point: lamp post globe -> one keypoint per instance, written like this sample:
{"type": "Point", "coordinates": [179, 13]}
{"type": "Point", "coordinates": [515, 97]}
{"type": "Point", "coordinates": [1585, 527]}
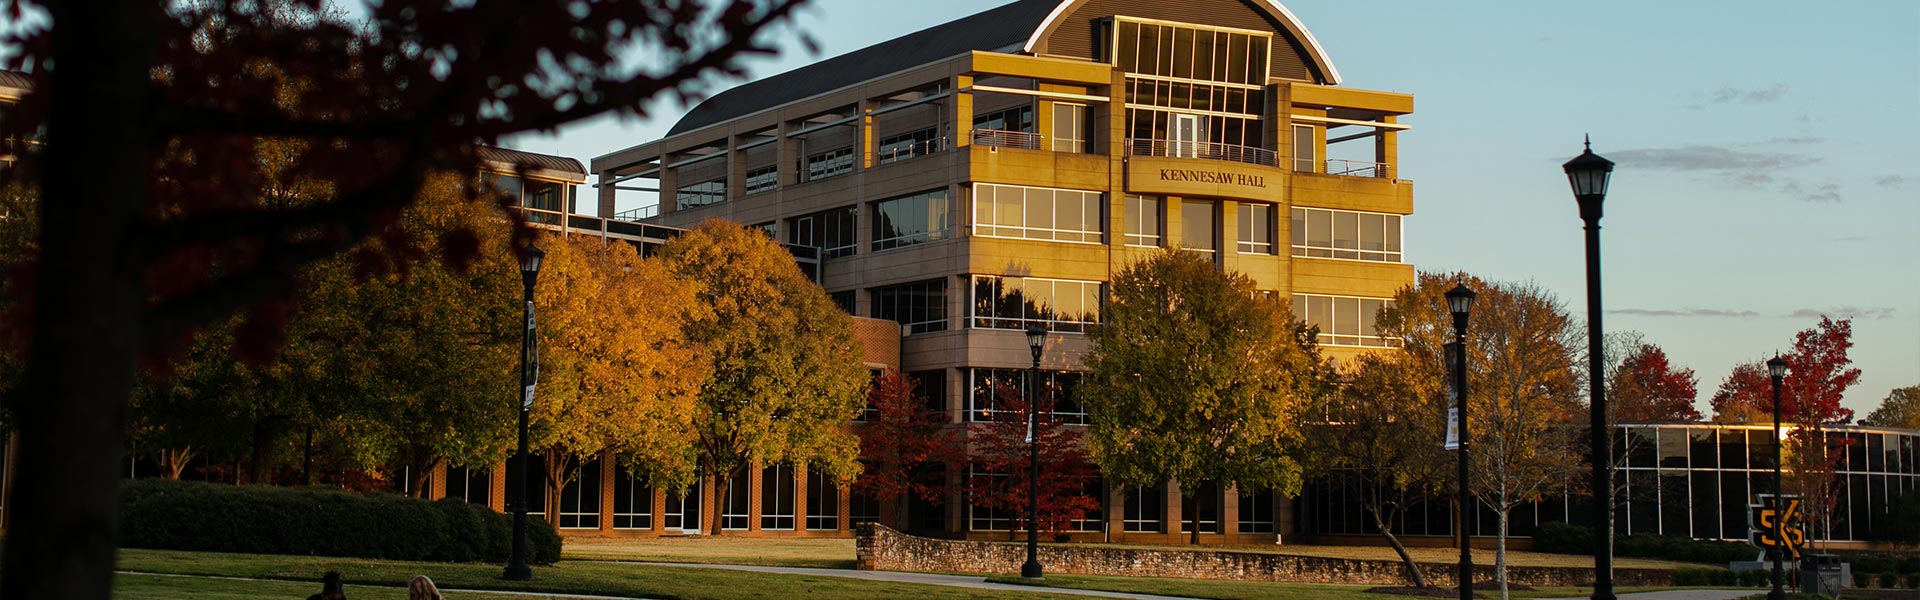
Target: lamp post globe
{"type": "Point", "coordinates": [1036, 341]}
{"type": "Point", "coordinates": [1777, 372]}
{"type": "Point", "coordinates": [517, 569]}
{"type": "Point", "coordinates": [1588, 173]}
{"type": "Point", "coordinates": [1460, 305]}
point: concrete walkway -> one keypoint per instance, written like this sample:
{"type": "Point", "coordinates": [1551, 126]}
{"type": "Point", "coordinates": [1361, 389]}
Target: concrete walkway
{"type": "Point", "coordinates": [961, 581]}
{"type": "Point", "coordinates": [443, 590]}
{"type": "Point", "coordinates": [1686, 595]}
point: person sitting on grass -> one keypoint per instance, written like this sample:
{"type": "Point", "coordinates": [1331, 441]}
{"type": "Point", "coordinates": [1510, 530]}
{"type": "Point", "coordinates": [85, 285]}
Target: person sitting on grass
{"type": "Point", "coordinates": [330, 588]}
{"type": "Point", "coordinates": [421, 588]}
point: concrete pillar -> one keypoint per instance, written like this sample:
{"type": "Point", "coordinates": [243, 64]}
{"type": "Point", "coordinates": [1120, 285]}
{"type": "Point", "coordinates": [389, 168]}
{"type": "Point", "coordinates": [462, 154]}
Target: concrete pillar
{"type": "Point", "coordinates": [1175, 525]}
{"type": "Point", "coordinates": [669, 184]}
{"type": "Point", "coordinates": [606, 193]}
{"type": "Point", "coordinates": [1230, 512]}
{"type": "Point", "coordinates": [736, 170]}
{"type": "Point", "coordinates": [800, 481]}
{"type": "Point", "coordinates": [607, 472]}
{"type": "Point", "coordinates": [960, 110]}
{"type": "Point", "coordinates": [1386, 148]}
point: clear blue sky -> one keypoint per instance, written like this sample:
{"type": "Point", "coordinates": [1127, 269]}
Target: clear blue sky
{"type": "Point", "coordinates": [1768, 169]}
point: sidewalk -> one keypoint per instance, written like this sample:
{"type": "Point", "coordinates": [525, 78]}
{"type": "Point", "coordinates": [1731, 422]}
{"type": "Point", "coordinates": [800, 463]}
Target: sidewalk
{"type": "Point", "coordinates": [1686, 595]}
{"type": "Point", "coordinates": [962, 581]}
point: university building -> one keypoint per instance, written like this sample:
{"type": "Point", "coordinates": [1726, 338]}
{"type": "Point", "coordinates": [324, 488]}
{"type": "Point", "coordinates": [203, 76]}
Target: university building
{"type": "Point", "coordinates": [992, 173]}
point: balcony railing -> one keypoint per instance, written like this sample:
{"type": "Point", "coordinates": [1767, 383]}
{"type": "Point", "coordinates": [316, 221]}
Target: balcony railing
{"type": "Point", "coordinates": [905, 151]}
{"type": "Point", "coordinates": [644, 212]}
{"type": "Point", "coordinates": [1007, 139]}
{"type": "Point", "coordinates": [1356, 168]}
{"type": "Point", "coordinates": [1206, 150]}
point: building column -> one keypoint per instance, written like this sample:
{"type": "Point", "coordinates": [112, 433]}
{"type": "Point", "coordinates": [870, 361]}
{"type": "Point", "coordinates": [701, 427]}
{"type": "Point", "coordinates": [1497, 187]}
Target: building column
{"type": "Point", "coordinates": [844, 518]}
{"type": "Point", "coordinates": [863, 157]}
{"type": "Point", "coordinates": [956, 505]}
{"type": "Point", "coordinates": [607, 470]}
{"type": "Point", "coordinates": [497, 488]}
{"type": "Point", "coordinates": [606, 192]}
{"type": "Point", "coordinates": [657, 515]}
{"type": "Point", "coordinates": [960, 110]}
{"type": "Point", "coordinates": [669, 185]}
{"type": "Point", "coordinates": [736, 172]}
{"type": "Point", "coordinates": [755, 476]}
{"type": "Point", "coordinates": [1116, 511]}
{"type": "Point", "coordinates": [800, 481]}
{"type": "Point", "coordinates": [436, 482]}
{"type": "Point", "coordinates": [1386, 148]}
{"type": "Point", "coordinates": [1176, 526]}
{"type": "Point", "coordinates": [1230, 512]}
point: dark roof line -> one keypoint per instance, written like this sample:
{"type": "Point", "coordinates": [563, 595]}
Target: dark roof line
{"type": "Point", "coordinates": [510, 158]}
{"type": "Point", "coordinates": [1008, 25]}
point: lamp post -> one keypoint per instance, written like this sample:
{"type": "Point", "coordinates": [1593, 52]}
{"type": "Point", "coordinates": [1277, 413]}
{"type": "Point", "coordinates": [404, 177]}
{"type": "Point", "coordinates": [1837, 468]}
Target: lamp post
{"type": "Point", "coordinates": [1588, 173]}
{"type": "Point", "coordinates": [1777, 370]}
{"type": "Point", "coordinates": [1460, 303]}
{"type": "Point", "coordinates": [517, 569]}
{"type": "Point", "coordinates": [1036, 340]}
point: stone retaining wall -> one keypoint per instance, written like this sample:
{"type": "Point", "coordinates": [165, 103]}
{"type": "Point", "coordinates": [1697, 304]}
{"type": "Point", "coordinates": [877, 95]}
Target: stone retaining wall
{"type": "Point", "coordinates": [881, 549]}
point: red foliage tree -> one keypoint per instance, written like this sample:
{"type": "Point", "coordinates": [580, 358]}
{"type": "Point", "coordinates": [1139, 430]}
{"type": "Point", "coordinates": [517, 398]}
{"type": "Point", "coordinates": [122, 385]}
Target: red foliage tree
{"type": "Point", "coordinates": [1647, 388]}
{"type": "Point", "coordinates": [156, 217]}
{"type": "Point", "coordinates": [905, 444]}
{"type": "Point", "coordinates": [1003, 481]}
{"type": "Point", "coordinates": [1818, 376]}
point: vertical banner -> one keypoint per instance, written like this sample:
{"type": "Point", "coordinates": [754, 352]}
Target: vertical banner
{"type": "Point", "coordinates": [531, 377]}
{"type": "Point", "coordinates": [1453, 397]}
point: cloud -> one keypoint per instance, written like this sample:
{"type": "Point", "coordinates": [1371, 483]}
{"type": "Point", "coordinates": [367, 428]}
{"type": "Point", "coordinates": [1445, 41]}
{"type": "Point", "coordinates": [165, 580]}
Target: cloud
{"type": "Point", "coordinates": [1851, 238]}
{"type": "Point", "coordinates": [1796, 141]}
{"type": "Point", "coordinates": [1847, 312]}
{"type": "Point", "coordinates": [1708, 158]}
{"type": "Point", "coordinates": [1733, 95]}
{"type": "Point", "coordinates": [1891, 181]}
{"type": "Point", "coordinates": [1823, 194]}
{"type": "Point", "coordinates": [1685, 312]}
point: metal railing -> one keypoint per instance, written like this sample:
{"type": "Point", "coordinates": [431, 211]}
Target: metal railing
{"type": "Point", "coordinates": [644, 212]}
{"type": "Point", "coordinates": [1356, 168]}
{"type": "Point", "coordinates": [906, 151]}
{"type": "Point", "coordinates": [1206, 150]}
{"type": "Point", "coordinates": [1007, 139]}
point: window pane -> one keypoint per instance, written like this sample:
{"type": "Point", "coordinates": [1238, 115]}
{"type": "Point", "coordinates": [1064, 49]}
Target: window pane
{"type": "Point", "coordinates": [1196, 227]}
{"type": "Point", "coordinates": [1068, 211]}
{"type": "Point", "coordinates": [1346, 227]}
{"type": "Point", "coordinates": [1298, 228]}
{"type": "Point", "coordinates": [1393, 233]}
{"type": "Point", "coordinates": [1371, 228]}
{"type": "Point", "coordinates": [1320, 229]}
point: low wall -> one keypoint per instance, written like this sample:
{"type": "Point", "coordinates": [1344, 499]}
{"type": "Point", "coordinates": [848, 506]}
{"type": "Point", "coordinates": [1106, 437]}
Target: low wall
{"type": "Point", "coordinates": [881, 549]}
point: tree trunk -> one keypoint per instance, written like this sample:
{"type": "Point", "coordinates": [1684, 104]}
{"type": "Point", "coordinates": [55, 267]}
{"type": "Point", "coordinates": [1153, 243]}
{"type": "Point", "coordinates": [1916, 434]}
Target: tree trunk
{"type": "Point", "coordinates": [419, 470]}
{"type": "Point", "coordinates": [721, 482]}
{"type": "Point", "coordinates": [1500, 549]}
{"type": "Point", "coordinates": [1193, 527]}
{"type": "Point", "coordinates": [175, 460]}
{"type": "Point", "coordinates": [87, 300]}
{"type": "Point", "coordinates": [1413, 569]}
{"type": "Point", "coordinates": [260, 462]}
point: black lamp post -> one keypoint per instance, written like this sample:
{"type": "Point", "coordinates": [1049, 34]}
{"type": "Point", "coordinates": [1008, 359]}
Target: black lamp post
{"type": "Point", "coordinates": [1460, 303]}
{"type": "Point", "coordinates": [1588, 173]}
{"type": "Point", "coordinates": [517, 569]}
{"type": "Point", "coordinates": [1777, 370]}
{"type": "Point", "coordinates": [1036, 340]}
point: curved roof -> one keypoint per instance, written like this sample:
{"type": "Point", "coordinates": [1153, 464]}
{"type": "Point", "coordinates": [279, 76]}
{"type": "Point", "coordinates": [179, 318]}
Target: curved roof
{"type": "Point", "coordinates": [1017, 27]}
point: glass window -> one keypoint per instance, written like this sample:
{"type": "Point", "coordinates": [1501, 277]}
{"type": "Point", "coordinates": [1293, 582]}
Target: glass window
{"type": "Point", "coordinates": [823, 501]}
{"type": "Point", "coordinates": [701, 194]}
{"type": "Point", "coordinates": [1020, 302]}
{"type": "Point", "coordinates": [1037, 213]}
{"type": "Point", "coordinates": [1058, 387]}
{"type": "Point", "coordinates": [1145, 510]}
{"type": "Point", "coordinates": [1196, 225]}
{"type": "Point", "coordinates": [1256, 228]}
{"type": "Point", "coordinates": [1344, 320]}
{"type": "Point", "coordinates": [733, 513]}
{"type": "Point", "coordinates": [985, 518]}
{"type": "Point", "coordinates": [763, 179]}
{"type": "Point", "coordinates": [832, 231]}
{"type": "Point", "coordinates": [1346, 234]}
{"type": "Point", "coordinates": [915, 219]}
{"type": "Point", "coordinates": [776, 497]}
{"type": "Point", "coordinates": [1305, 153]}
{"type": "Point", "coordinates": [1143, 220]}
{"type": "Point", "coordinates": [1069, 127]}
{"type": "Point", "coordinates": [580, 498]}
{"type": "Point", "coordinates": [632, 501]}
{"type": "Point", "coordinates": [829, 164]}
{"type": "Point", "coordinates": [1256, 512]}
{"type": "Point", "coordinates": [1013, 119]}
{"type": "Point", "coordinates": [909, 145]}
{"type": "Point", "coordinates": [922, 307]}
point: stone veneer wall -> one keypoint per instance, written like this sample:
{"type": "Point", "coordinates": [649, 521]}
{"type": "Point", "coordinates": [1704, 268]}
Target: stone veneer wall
{"type": "Point", "coordinates": [881, 549]}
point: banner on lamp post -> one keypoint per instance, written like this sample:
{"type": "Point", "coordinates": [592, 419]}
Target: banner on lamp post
{"type": "Point", "coordinates": [1453, 400]}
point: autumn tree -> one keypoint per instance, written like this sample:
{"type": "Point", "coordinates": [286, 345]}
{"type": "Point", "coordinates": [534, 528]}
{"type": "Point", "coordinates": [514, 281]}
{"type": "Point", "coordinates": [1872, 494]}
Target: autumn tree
{"type": "Point", "coordinates": [1818, 375]}
{"type": "Point", "coordinates": [905, 445]}
{"type": "Point", "coordinates": [150, 222]}
{"type": "Point", "coordinates": [784, 375]}
{"type": "Point", "coordinates": [1648, 389]}
{"type": "Point", "coordinates": [1382, 432]}
{"type": "Point", "coordinates": [1002, 445]}
{"type": "Point", "coordinates": [1901, 408]}
{"type": "Point", "coordinates": [615, 370]}
{"type": "Point", "coordinates": [1192, 378]}
{"type": "Point", "coordinates": [1522, 385]}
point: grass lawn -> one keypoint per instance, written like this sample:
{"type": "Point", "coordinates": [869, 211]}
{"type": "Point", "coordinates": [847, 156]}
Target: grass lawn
{"type": "Point", "coordinates": [1445, 556]}
{"type": "Point", "coordinates": [1259, 590]}
{"type": "Point", "coordinates": [168, 587]}
{"type": "Point", "coordinates": [774, 552]}
{"type": "Point", "coordinates": [689, 583]}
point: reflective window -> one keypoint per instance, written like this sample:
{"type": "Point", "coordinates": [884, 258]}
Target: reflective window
{"type": "Point", "coordinates": [986, 385]}
{"type": "Point", "coordinates": [1191, 52]}
{"type": "Point", "coordinates": [1146, 507]}
{"type": "Point", "coordinates": [763, 179]}
{"type": "Point", "coordinates": [1345, 320]}
{"type": "Point", "coordinates": [823, 501]}
{"type": "Point", "coordinates": [979, 516]}
{"type": "Point", "coordinates": [915, 219]}
{"type": "Point", "coordinates": [580, 498]}
{"type": "Point", "coordinates": [1305, 149]}
{"type": "Point", "coordinates": [1322, 233]}
{"type": "Point", "coordinates": [922, 307]}
{"type": "Point", "coordinates": [1143, 220]}
{"type": "Point", "coordinates": [733, 513]}
{"type": "Point", "coordinates": [832, 231]}
{"type": "Point", "coordinates": [830, 163]}
{"type": "Point", "coordinates": [1256, 228]}
{"type": "Point", "coordinates": [1036, 213]}
{"type": "Point", "coordinates": [776, 497]}
{"type": "Point", "coordinates": [1020, 302]}
{"type": "Point", "coordinates": [1012, 119]}
{"type": "Point", "coordinates": [1197, 225]}
{"type": "Point", "coordinates": [1069, 127]}
{"type": "Point", "coordinates": [908, 145]}
{"type": "Point", "coordinates": [632, 501]}
{"type": "Point", "coordinates": [701, 194]}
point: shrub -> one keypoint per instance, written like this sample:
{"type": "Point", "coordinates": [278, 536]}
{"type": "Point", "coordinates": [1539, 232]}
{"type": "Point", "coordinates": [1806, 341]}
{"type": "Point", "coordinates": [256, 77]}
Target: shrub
{"type": "Point", "coordinates": [186, 515]}
{"type": "Point", "coordinates": [1913, 582]}
{"type": "Point", "coordinates": [1890, 580]}
{"type": "Point", "coordinates": [1701, 576]}
{"type": "Point", "coordinates": [1554, 536]}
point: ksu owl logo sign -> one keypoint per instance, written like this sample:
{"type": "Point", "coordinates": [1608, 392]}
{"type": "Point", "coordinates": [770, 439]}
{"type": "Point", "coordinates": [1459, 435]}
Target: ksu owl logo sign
{"type": "Point", "coordinates": [1763, 517]}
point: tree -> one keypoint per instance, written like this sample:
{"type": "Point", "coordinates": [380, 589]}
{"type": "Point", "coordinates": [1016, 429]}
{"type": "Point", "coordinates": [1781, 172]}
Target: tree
{"type": "Point", "coordinates": [1194, 379]}
{"type": "Point", "coordinates": [1522, 386]}
{"type": "Point", "coordinates": [906, 446]}
{"type": "Point", "coordinates": [1003, 482]}
{"type": "Point", "coordinates": [1818, 376]}
{"type": "Point", "coordinates": [615, 370]}
{"type": "Point", "coordinates": [1648, 389]}
{"type": "Point", "coordinates": [1901, 408]}
{"type": "Point", "coordinates": [138, 205]}
{"type": "Point", "coordinates": [784, 375]}
{"type": "Point", "coordinates": [1381, 433]}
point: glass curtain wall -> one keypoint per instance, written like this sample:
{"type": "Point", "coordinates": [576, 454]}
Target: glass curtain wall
{"type": "Point", "coordinates": [1192, 90]}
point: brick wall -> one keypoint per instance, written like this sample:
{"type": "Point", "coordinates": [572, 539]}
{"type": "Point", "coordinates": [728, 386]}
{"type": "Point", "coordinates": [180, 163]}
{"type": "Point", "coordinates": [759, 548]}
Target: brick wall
{"type": "Point", "coordinates": [882, 549]}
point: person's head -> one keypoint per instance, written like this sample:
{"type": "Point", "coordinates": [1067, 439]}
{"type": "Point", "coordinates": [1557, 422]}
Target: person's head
{"type": "Point", "coordinates": [330, 586]}
{"type": "Point", "coordinates": [421, 588]}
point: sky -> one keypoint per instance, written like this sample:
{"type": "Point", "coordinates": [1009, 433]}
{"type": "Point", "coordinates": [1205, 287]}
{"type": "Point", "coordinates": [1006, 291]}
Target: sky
{"type": "Point", "coordinates": [1767, 165]}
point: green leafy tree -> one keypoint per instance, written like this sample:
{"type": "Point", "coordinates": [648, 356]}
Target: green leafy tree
{"type": "Point", "coordinates": [784, 375]}
{"type": "Point", "coordinates": [615, 371]}
{"type": "Point", "coordinates": [1522, 386]}
{"type": "Point", "coordinates": [1901, 408]}
{"type": "Point", "coordinates": [1193, 378]}
{"type": "Point", "coordinates": [1380, 431]}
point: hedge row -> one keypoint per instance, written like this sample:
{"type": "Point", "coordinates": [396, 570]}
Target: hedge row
{"type": "Point", "coordinates": [188, 515]}
{"type": "Point", "coordinates": [1574, 539]}
{"type": "Point", "coordinates": [1882, 563]}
